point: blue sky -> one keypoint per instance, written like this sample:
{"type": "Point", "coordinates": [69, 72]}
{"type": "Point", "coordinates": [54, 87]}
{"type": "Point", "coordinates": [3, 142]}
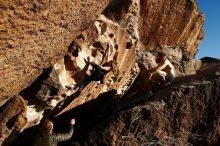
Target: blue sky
{"type": "Point", "coordinates": [210, 45]}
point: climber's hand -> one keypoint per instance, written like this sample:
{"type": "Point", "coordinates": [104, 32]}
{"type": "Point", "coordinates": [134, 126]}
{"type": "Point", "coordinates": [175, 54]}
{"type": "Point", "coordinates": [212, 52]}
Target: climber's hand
{"type": "Point", "coordinates": [72, 121]}
{"type": "Point", "coordinates": [86, 61]}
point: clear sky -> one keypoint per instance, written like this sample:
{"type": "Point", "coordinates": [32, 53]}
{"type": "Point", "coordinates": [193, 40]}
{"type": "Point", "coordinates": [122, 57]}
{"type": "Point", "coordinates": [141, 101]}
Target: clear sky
{"type": "Point", "coordinates": [210, 45]}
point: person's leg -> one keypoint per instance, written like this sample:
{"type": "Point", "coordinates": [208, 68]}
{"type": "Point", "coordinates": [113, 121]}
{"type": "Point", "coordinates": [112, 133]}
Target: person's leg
{"type": "Point", "coordinates": [100, 77]}
{"type": "Point", "coordinates": [96, 73]}
{"type": "Point", "coordinates": [83, 84]}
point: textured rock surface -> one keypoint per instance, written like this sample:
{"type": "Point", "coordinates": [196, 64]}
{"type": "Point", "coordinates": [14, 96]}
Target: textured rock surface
{"type": "Point", "coordinates": [172, 22]}
{"type": "Point", "coordinates": [35, 34]}
{"type": "Point", "coordinates": [115, 44]}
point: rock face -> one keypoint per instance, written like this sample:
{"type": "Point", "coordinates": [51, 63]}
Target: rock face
{"type": "Point", "coordinates": [129, 33]}
{"type": "Point", "coordinates": [177, 22]}
{"type": "Point", "coordinates": [111, 44]}
{"type": "Point", "coordinates": [35, 35]}
{"type": "Point", "coordinates": [167, 23]}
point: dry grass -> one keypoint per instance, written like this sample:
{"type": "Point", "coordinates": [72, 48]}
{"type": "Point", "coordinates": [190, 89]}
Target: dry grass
{"type": "Point", "coordinates": [143, 137]}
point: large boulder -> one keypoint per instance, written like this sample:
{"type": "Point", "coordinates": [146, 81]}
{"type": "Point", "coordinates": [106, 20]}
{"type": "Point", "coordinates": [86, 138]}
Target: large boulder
{"type": "Point", "coordinates": [35, 34]}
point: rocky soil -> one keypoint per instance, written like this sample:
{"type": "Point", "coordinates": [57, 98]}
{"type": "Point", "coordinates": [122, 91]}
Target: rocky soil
{"type": "Point", "coordinates": [46, 46]}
